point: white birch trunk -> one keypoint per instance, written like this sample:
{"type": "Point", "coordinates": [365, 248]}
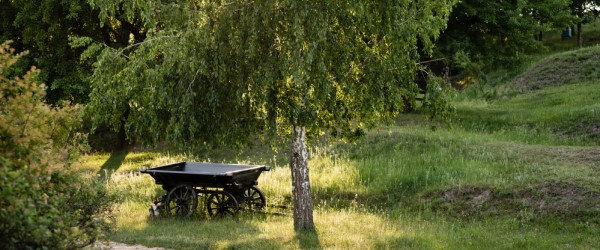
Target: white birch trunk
{"type": "Point", "coordinates": [303, 213]}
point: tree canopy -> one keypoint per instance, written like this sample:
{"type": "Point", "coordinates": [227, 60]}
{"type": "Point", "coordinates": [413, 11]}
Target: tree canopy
{"type": "Point", "coordinates": [222, 73]}
{"type": "Point", "coordinates": [497, 31]}
{"type": "Point", "coordinates": [48, 29]}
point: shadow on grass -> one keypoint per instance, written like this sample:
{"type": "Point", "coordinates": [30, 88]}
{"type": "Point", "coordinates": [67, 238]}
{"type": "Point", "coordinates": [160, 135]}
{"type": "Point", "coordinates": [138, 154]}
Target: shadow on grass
{"type": "Point", "coordinates": [308, 239]}
{"type": "Point", "coordinates": [113, 162]}
{"type": "Point", "coordinates": [406, 242]}
{"type": "Point", "coordinates": [197, 233]}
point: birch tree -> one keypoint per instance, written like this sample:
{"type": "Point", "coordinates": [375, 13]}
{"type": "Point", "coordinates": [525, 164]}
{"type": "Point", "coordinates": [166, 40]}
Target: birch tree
{"type": "Point", "coordinates": [228, 72]}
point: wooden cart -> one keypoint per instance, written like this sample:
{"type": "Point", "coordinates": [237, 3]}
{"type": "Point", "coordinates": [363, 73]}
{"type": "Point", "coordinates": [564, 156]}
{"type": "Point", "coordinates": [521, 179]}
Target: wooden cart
{"type": "Point", "coordinates": [228, 187]}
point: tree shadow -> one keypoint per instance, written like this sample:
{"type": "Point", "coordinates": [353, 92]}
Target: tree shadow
{"type": "Point", "coordinates": [113, 162]}
{"type": "Point", "coordinates": [405, 242]}
{"type": "Point", "coordinates": [308, 239]}
{"type": "Point", "coordinates": [185, 232]}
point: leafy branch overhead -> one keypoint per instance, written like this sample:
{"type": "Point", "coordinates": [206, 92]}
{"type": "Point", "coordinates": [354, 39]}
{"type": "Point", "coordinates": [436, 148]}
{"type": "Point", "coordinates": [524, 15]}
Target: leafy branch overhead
{"type": "Point", "coordinates": [222, 72]}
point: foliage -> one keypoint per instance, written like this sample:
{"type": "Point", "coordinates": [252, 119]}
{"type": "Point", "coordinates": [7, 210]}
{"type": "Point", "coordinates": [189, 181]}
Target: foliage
{"type": "Point", "coordinates": [42, 203]}
{"type": "Point", "coordinates": [52, 30]}
{"type": "Point", "coordinates": [438, 100]}
{"type": "Point", "coordinates": [470, 69]}
{"type": "Point", "coordinates": [499, 31]}
{"type": "Point", "coordinates": [556, 43]}
{"type": "Point", "coordinates": [222, 73]}
{"type": "Point", "coordinates": [585, 11]}
{"type": "Point", "coordinates": [43, 28]}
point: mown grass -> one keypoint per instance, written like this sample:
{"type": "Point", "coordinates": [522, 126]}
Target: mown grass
{"type": "Point", "coordinates": [376, 193]}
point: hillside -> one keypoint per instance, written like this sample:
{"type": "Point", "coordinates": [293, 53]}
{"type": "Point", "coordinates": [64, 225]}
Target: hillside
{"type": "Point", "coordinates": [550, 114]}
{"type": "Point", "coordinates": [563, 68]}
{"type": "Point", "coordinates": [555, 100]}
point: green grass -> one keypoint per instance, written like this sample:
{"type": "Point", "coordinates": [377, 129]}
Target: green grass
{"type": "Point", "coordinates": [553, 116]}
{"type": "Point", "coordinates": [396, 188]}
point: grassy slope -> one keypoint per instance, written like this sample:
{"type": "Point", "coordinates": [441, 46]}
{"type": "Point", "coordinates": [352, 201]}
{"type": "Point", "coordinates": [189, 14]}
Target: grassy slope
{"type": "Point", "coordinates": [481, 184]}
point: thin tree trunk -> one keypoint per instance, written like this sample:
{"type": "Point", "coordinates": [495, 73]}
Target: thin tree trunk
{"type": "Point", "coordinates": [579, 36]}
{"type": "Point", "coordinates": [303, 213]}
{"type": "Point", "coordinates": [122, 141]}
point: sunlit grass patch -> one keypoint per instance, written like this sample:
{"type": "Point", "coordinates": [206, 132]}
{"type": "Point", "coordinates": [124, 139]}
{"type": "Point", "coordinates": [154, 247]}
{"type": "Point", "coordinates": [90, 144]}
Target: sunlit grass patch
{"type": "Point", "coordinates": [336, 229]}
{"type": "Point", "coordinates": [91, 162]}
{"type": "Point", "coordinates": [351, 228]}
{"type": "Point", "coordinates": [347, 229]}
{"type": "Point", "coordinates": [134, 187]}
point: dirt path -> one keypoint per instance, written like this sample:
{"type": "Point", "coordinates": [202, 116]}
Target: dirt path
{"type": "Point", "coordinates": [120, 246]}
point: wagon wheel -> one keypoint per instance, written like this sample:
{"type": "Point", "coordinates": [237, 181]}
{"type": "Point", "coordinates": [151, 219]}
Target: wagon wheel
{"type": "Point", "coordinates": [253, 199]}
{"type": "Point", "coordinates": [181, 201]}
{"type": "Point", "coordinates": [221, 203]}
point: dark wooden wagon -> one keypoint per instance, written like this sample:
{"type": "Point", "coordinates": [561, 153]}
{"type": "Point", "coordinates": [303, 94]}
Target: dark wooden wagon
{"type": "Point", "coordinates": [228, 187]}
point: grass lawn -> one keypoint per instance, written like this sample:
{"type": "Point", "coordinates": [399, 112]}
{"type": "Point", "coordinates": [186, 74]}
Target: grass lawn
{"type": "Point", "coordinates": [516, 171]}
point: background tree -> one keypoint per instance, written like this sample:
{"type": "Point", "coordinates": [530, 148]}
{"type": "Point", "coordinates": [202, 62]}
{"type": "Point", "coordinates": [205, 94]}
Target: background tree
{"type": "Point", "coordinates": [43, 28]}
{"type": "Point", "coordinates": [46, 29]}
{"type": "Point", "coordinates": [498, 31]}
{"type": "Point", "coordinates": [55, 33]}
{"type": "Point", "coordinates": [548, 15]}
{"type": "Point", "coordinates": [121, 26]}
{"type": "Point", "coordinates": [584, 11]}
{"type": "Point", "coordinates": [222, 73]}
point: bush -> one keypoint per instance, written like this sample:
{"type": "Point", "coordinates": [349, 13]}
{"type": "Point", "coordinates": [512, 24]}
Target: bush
{"type": "Point", "coordinates": [43, 204]}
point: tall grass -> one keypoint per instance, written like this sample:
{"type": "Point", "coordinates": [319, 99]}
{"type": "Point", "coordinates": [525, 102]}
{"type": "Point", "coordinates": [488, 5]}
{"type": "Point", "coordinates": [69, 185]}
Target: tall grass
{"type": "Point", "coordinates": [369, 193]}
{"type": "Point", "coordinates": [366, 197]}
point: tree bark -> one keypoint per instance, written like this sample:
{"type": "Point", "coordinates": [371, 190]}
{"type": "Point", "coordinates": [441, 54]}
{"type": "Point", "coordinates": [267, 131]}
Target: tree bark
{"type": "Point", "coordinates": [303, 213]}
{"type": "Point", "coordinates": [579, 36]}
{"type": "Point", "coordinates": [122, 141]}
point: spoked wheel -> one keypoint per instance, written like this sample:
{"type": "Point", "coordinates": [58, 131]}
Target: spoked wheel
{"type": "Point", "coordinates": [221, 204]}
{"type": "Point", "coordinates": [181, 201]}
{"type": "Point", "coordinates": [253, 199]}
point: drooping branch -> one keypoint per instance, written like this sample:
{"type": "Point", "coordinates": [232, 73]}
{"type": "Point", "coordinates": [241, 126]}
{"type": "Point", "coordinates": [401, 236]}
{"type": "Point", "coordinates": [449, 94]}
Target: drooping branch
{"type": "Point", "coordinates": [121, 51]}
